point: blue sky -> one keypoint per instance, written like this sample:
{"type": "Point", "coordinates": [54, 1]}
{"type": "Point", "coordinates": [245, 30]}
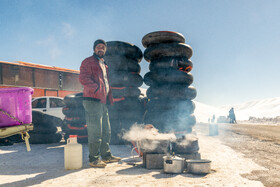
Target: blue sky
{"type": "Point", "coordinates": [235, 43]}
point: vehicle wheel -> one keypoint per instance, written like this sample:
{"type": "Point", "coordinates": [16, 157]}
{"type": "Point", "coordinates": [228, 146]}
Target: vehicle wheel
{"type": "Point", "coordinates": [124, 79]}
{"type": "Point", "coordinates": [119, 92]}
{"type": "Point", "coordinates": [74, 100]}
{"type": "Point", "coordinates": [162, 37]}
{"type": "Point", "coordinates": [172, 91]}
{"type": "Point", "coordinates": [168, 76]}
{"type": "Point", "coordinates": [74, 112]}
{"type": "Point", "coordinates": [124, 49]}
{"type": "Point", "coordinates": [182, 64]}
{"type": "Point", "coordinates": [44, 138]}
{"type": "Point", "coordinates": [167, 50]}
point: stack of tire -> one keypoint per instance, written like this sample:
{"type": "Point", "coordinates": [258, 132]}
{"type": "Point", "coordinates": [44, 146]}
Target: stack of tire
{"type": "Point", "coordinates": [170, 105]}
{"type": "Point", "coordinates": [124, 75]}
{"type": "Point", "coordinates": [74, 122]}
{"type": "Point", "coordinates": [45, 128]}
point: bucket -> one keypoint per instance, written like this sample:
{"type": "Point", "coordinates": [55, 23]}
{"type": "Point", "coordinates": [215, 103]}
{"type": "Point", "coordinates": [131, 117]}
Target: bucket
{"type": "Point", "coordinates": [73, 154]}
{"type": "Point", "coordinates": [17, 102]}
{"type": "Point", "coordinates": [213, 130]}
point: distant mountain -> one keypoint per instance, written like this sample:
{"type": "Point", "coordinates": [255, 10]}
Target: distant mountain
{"type": "Point", "coordinates": [269, 108]}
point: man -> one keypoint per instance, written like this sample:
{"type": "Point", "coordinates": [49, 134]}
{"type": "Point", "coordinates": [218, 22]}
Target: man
{"type": "Point", "coordinates": [232, 116]}
{"type": "Point", "coordinates": [97, 93]}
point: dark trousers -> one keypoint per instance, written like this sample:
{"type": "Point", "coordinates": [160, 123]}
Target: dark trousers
{"type": "Point", "coordinates": [99, 130]}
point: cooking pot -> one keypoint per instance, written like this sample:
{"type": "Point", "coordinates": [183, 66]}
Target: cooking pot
{"type": "Point", "coordinates": [173, 164]}
{"type": "Point", "coordinates": [202, 166]}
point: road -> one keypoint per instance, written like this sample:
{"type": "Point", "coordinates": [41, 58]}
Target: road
{"type": "Point", "coordinates": [261, 143]}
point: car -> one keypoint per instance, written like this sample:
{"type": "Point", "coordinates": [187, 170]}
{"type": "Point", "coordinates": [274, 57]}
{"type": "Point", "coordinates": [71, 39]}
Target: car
{"type": "Point", "coordinates": [49, 105]}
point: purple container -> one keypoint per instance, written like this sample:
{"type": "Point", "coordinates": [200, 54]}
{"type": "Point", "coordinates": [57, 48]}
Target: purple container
{"type": "Point", "coordinates": [17, 102]}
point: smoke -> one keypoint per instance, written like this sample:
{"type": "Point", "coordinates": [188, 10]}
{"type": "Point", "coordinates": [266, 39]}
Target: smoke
{"type": "Point", "coordinates": [138, 133]}
{"type": "Point", "coordinates": [149, 139]}
{"type": "Point", "coordinates": [187, 140]}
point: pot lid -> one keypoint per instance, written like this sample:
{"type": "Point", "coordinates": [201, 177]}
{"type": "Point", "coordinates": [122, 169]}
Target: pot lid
{"type": "Point", "coordinates": [173, 158]}
{"type": "Point", "coordinates": [198, 161]}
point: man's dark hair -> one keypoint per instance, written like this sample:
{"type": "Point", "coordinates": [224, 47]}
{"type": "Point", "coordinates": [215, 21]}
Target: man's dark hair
{"type": "Point", "coordinates": [99, 41]}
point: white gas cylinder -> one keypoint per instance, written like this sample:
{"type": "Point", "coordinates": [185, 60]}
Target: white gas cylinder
{"type": "Point", "coordinates": [73, 154]}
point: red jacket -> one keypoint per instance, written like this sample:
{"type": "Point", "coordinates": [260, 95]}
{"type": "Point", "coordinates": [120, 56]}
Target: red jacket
{"type": "Point", "coordinates": [91, 77]}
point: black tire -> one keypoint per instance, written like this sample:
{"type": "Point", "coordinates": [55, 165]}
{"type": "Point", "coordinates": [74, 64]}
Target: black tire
{"type": "Point", "coordinates": [172, 91]}
{"type": "Point", "coordinates": [74, 112]}
{"type": "Point", "coordinates": [187, 106]}
{"type": "Point", "coordinates": [72, 130]}
{"type": "Point", "coordinates": [74, 100]}
{"type": "Point", "coordinates": [39, 129]}
{"type": "Point", "coordinates": [75, 120]}
{"type": "Point", "coordinates": [182, 64]}
{"type": "Point", "coordinates": [170, 121]}
{"type": "Point", "coordinates": [167, 50]}
{"type": "Point", "coordinates": [37, 117]}
{"type": "Point", "coordinates": [45, 120]}
{"type": "Point", "coordinates": [124, 49]}
{"type": "Point", "coordinates": [136, 115]}
{"type": "Point", "coordinates": [168, 76]}
{"type": "Point", "coordinates": [16, 138]}
{"type": "Point", "coordinates": [49, 120]}
{"type": "Point", "coordinates": [124, 79]}
{"type": "Point", "coordinates": [162, 37]}
{"type": "Point", "coordinates": [127, 104]}
{"type": "Point", "coordinates": [119, 92]}
{"type": "Point", "coordinates": [117, 131]}
{"type": "Point", "coordinates": [121, 63]}
{"type": "Point", "coordinates": [44, 138]}
{"type": "Point", "coordinates": [73, 124]}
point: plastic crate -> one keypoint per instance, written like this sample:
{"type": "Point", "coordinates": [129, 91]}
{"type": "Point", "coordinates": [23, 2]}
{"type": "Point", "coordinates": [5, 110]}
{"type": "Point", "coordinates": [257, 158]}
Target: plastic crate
{"type": "Point", "coordinates": [17, 102]}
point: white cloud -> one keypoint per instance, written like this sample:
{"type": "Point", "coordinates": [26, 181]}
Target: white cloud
{"type": "Point", "coordinates": [52, 47]}
{"type": "Point", "coordinates": [67, 30]}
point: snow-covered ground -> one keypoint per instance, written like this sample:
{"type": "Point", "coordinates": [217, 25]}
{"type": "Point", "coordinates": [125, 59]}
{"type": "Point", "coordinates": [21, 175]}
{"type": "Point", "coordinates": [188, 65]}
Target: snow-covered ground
{"type": "Point", "coordinates": [44, 166]}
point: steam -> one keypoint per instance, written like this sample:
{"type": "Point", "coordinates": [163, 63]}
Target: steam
{"type": "Point", "coordinates": [148, 138]}
{"type": "Point", "coordinates": [138, 133]}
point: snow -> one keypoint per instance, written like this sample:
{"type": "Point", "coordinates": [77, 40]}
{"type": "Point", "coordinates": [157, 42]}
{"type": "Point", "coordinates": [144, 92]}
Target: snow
{"type": "Point", "coordinates": [44, 166]}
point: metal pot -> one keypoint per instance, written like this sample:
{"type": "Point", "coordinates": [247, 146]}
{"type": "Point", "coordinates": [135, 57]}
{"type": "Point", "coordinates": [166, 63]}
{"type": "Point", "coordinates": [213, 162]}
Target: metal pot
{"type": "Point", "coordinates": [202, 166]}
{"type": "Point", "coordinates": [173, 164]}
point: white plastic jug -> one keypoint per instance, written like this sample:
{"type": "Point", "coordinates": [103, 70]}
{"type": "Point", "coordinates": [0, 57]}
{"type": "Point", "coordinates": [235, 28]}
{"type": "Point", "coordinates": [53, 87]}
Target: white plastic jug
{"type": "Point", "coordinates": [73, 154]}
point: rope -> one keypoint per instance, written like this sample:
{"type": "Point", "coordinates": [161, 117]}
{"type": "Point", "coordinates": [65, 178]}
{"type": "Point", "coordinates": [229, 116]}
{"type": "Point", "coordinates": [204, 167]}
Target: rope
{"type": "Point", "coordinates": [11, 116]}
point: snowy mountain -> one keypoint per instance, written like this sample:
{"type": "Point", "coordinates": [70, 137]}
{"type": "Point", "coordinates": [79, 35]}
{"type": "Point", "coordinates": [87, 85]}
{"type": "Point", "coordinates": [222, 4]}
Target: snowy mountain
{"type": "Point", "coordinates": [268, 108]}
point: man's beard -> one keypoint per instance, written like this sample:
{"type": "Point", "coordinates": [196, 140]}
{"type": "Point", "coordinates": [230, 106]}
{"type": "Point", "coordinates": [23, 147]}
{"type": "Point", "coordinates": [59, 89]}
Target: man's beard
{"type": "Point", "coordinates": [100, 54]}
